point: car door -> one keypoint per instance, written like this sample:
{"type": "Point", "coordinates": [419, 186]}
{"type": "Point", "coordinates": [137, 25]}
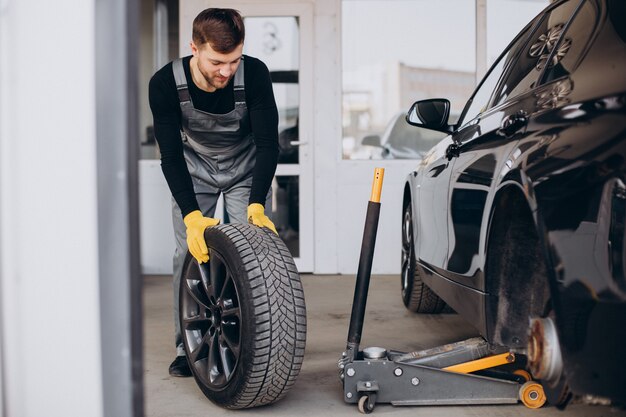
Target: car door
{"type": "Point", "coordinates": [488, 144]}
{"type": "Point", "coordinates": [431, 200]}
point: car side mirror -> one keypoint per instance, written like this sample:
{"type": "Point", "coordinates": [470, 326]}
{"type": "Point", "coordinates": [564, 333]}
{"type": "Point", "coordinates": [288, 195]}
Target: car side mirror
{"type": "Point", "coordinates": [371, 140]}
{"type": "Point", "coordinates": [431, 114]}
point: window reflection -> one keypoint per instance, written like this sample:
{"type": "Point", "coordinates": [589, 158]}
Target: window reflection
{"type": "Point", "coordinates": [414, 54]}
{"type": "Point", "coordinates": [395, 52]}
{"type": "Point", "coordinates": [275, 40]}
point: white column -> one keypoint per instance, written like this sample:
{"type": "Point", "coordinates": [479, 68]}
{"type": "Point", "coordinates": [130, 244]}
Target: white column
{"type": "Point", "coordinates": [327, 127]}
{"type": "Point", "coordinates": [481, 39]}
{"type": "Point", "coordinates": [49, 307]}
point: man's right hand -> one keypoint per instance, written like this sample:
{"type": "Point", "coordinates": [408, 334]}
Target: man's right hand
{"type": "Point", "coordinates": [196, 225]}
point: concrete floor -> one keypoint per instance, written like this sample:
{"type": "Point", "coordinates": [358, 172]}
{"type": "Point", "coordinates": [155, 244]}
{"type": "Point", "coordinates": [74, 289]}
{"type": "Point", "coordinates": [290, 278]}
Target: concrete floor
{"type": "Point", "coordinates": [318, 390]}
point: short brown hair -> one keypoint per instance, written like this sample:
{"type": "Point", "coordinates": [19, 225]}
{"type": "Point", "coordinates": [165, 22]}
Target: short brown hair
{"type": "Point", "coordinates": [223, 29]}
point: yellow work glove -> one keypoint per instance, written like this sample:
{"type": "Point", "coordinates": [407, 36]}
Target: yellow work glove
{"type": "Point", "coordinates": [196, 225]}
{"type": "Point", "coordinates": [257, 217]}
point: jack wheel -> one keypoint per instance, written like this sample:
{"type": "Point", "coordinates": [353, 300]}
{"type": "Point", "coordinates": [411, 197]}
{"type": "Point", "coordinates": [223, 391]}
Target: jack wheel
{"type": "Point", "coordinates": [365, 405]}
{"type": "Point", "coordinates": [532, 395]}
{"type": "Point", "coordinates": [523, 373]}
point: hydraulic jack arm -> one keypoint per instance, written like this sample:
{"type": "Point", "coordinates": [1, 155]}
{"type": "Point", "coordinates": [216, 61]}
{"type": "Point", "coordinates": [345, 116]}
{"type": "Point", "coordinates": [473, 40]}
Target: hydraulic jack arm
{"type": "Point", "coordinates": [365, 267]}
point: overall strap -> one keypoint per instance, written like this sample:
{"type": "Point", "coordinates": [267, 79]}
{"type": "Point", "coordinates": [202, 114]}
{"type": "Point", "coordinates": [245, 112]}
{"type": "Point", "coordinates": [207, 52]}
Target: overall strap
{"type": "Point", "coordinates": [181, 80]}
{"type": "Point", "coordinates": [239, 85]}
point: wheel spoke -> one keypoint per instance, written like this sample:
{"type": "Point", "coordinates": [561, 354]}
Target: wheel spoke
{"type": "Point", "coordinates": [200, 351]}
{"type": "Point", "coordinates": [205, 274]}
{"type": "Point", "coordinates": [217, 274]}
{"type": "Point", "coordinates": [214, 360]}
{"type": "Point", "coordinates": [227, 361]}
{"type": "Point", "coordinates": [232, 345]}
{"type": "Point", "coordinates": [193, 279]}
{"type": "Point", "coordinates": [226, 283]}
{"type": "Point", "coordinates": [404, 259]}
{"type": "Point", "coordinates": [407, 232]}
{"type": "Point", "coordinates": [201, 321]}
{"type": "Point", "coordinates": [228, 289]}
{"type": "Point", "coordinates": [229, 313]}
{"type": "Point", "coordinates": [194, 290]}
{"type": "Point", "coordinates": [405, 281]}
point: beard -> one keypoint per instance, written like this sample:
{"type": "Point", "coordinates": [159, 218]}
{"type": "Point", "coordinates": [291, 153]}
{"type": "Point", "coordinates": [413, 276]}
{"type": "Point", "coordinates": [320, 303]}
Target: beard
{"type": "Point", "coordinates": [215, 80]}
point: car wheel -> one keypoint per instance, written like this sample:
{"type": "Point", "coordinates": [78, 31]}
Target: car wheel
{"type": "Point", "coordinates": [416, 295]}
{"type": "Point", "coordinates": [243, 317]}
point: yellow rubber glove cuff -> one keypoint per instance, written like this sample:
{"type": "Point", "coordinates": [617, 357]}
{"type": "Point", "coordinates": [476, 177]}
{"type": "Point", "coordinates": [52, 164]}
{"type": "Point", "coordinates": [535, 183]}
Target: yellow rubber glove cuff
{"type": "Point", "coordinates": [196, 225]}
{"type": "Point", "coordinates": [257, 217]}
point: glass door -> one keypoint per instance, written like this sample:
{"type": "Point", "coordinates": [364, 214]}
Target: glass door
{"type": "Point", "coordinates": [280, 35]}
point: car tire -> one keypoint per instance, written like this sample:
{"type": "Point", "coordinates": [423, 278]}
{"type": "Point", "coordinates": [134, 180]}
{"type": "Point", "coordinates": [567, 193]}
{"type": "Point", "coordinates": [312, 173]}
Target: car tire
{"type": "Point", "coordinates": [416, 295]}
{"type": "Point", "coordinates": [243, 317]}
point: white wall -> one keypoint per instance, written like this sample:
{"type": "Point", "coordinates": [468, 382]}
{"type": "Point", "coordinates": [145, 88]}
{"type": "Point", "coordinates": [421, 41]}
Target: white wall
{"type": "Point", "coordinates": [157, 231]}
{"type": "Point", "coordinates": [49, 309]}
{"type": "Point", "coordinates": [355, 187]}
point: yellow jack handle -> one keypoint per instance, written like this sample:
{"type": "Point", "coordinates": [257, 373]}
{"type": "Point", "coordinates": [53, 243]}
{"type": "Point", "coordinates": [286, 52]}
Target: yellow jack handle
{"type": "Point", "coordinates": [377, 185]}
{"type": "Point", "coordinates": [483, 363]}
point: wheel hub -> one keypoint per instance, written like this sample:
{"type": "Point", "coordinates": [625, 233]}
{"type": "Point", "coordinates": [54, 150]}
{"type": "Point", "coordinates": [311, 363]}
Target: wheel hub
{"type": "Point", "coordinates": [544, 352]}
{"type": "Point", "coordinates": [216, 313]}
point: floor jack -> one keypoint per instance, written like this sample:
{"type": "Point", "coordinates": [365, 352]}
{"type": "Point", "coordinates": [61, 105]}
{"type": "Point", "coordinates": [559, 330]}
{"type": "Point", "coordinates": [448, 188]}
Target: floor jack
{"type": "Point", "coordinates": [460, 373]}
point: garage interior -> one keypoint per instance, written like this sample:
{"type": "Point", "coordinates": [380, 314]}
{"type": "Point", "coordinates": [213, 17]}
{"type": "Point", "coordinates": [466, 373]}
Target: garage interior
{"type": "Point", "coordinates": [86, 310]}
{"type": "Point", "coordinates": [318, 389]}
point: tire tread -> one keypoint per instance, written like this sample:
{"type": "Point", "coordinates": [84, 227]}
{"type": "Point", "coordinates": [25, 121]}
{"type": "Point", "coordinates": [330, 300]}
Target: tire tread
{"type": "Point", "coordinates": [277, 297]}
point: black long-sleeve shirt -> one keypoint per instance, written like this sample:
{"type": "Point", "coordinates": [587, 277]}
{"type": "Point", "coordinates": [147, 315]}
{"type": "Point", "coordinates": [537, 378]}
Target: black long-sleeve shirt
{"type": "Point", "coordinates": [167, 126]}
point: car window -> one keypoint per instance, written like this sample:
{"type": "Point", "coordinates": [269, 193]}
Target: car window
{"type": "Point", "coordinates": [572, 45]}
{"type": "Point", "coordinates": [409, 142]}
{"type": "Point", "coordinates": [481, 98]}
{"type": "Point", "coordinates": [534, 56]}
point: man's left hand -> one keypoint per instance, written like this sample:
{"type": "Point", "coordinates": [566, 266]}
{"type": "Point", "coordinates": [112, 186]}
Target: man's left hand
{"type": "Point", "coordinates": [257, 217]}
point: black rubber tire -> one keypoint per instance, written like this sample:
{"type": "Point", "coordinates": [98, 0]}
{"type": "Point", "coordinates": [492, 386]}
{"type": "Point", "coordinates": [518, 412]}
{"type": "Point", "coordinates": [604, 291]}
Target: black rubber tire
{"type": "Point", "coordinates": [416, 296]}
{"type": "Point", "coordinates": [244, 328]}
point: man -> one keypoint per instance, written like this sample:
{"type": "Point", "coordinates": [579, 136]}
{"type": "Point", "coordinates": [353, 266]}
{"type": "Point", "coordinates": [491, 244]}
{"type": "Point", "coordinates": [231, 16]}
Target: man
{"type": "Point", "coordinates": [216, 123]}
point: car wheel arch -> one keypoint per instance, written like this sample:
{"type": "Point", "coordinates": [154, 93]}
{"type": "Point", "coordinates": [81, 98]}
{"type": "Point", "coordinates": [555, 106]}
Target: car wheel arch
{"type": "Point", "coordinates": [516, 276]}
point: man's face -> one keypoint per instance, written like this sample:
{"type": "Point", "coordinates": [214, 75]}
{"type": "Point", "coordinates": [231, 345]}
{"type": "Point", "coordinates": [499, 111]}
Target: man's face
{"type": "Point", "coordinates": [217, 68]}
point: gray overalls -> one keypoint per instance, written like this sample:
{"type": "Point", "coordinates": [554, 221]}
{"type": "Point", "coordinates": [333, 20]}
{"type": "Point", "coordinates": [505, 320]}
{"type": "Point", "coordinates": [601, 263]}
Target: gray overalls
{"type": "Point", "coordinates": [220, 154]}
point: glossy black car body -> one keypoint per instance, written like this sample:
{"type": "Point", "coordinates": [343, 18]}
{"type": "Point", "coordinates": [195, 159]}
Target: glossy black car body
{"type": "Point", "coordinates": [519, 212]}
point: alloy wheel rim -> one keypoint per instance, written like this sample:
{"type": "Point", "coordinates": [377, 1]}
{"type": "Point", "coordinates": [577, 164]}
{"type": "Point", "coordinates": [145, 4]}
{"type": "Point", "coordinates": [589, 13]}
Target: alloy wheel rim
{"type": "Point", "coordinates": [407, 236]}
{"type": "Point", "coordinates": [211, 321]}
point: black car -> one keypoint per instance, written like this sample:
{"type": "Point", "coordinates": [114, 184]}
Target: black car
{"type": "Point", "coordinates": [516, 219]}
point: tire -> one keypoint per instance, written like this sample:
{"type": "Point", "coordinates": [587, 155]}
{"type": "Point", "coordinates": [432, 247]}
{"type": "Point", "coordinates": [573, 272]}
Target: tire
{"type": "Point", "coordinates": [416, 295]}
{"type": "Point", "coordinates": [243, 317]}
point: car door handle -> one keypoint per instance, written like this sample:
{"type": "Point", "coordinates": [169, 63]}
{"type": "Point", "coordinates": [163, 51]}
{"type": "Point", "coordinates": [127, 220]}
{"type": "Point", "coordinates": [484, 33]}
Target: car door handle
{"type": "Point", "coordinates": [298, 143]}
{"type": "Point", "coordinates": [513, 123]}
